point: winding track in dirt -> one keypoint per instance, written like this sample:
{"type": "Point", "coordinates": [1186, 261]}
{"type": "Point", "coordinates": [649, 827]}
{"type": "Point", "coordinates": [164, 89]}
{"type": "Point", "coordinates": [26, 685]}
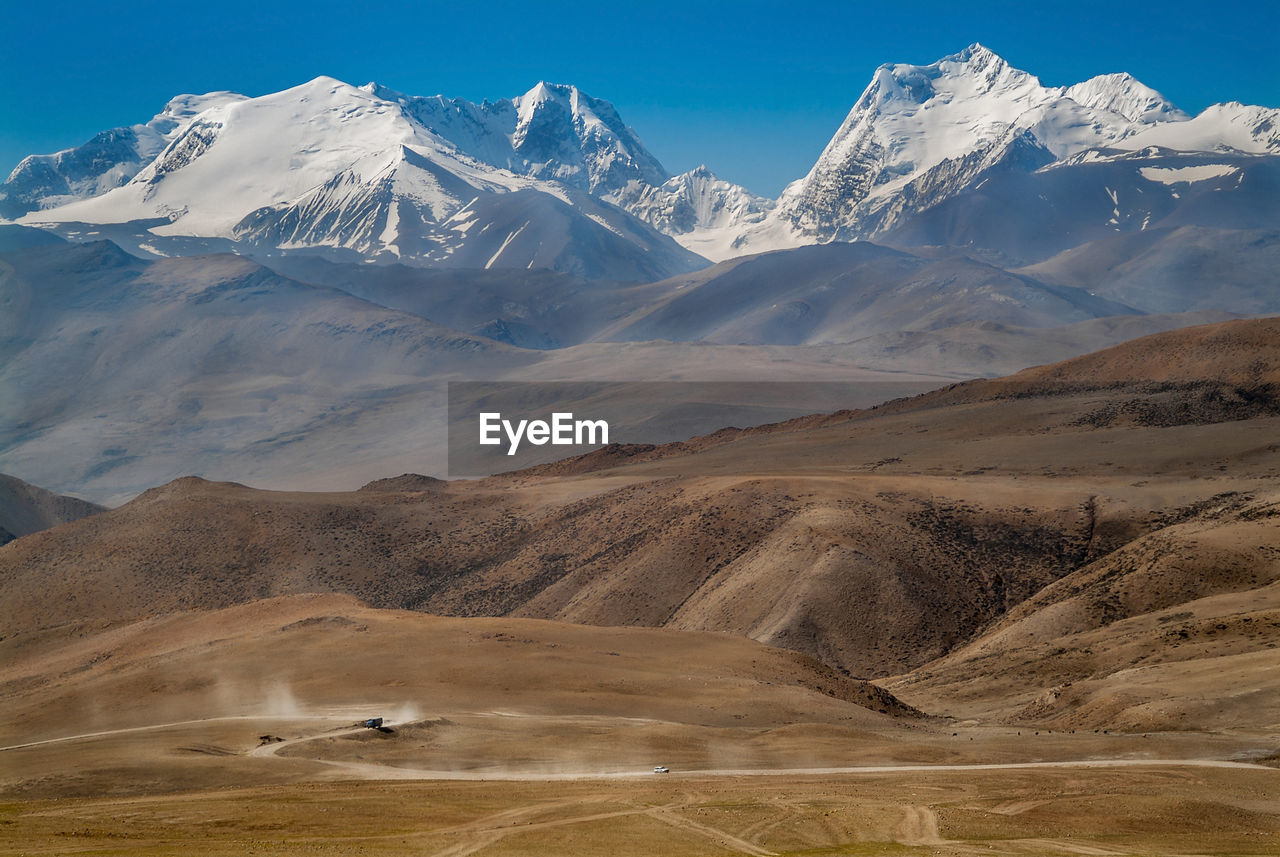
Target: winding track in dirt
{"type": "Point", "coordinates": [918, 826]}
{"type": "Point", "coordinates": [151, 727]}
{"type": "Point", "coordinates": [373, 770]}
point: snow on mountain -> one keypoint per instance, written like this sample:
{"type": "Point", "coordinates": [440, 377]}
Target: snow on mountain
{"type": "Point", "coordinates": [1026, 216]}
{"type": "Point", "coordinates": [108, 161]}
{"type": "Point", "coordinates": [381, 174]}
{"type": "Point", "coordinates": [920, 135]}
{"type": "Point", "coordinates": [702, 212]}
{"type": "Point", "coordinates": [566, 135]}
{"type": "Point", "coordinates": [329, 165]}
{"type": "Point", "coordinates": [911, 119]}
{"type": "Point", "coordinates": [1122, 93]}
{"type": "Point", "coordinates": [238, 157]}
{"type": "Point", "coordinates": [560, 133]}
{"type": "Point", "coordinates": [1219, 128]}
{"type": "Point", "coordinates": [1017, 150]}
{"type": "Point", "coordinates": [551, 132]}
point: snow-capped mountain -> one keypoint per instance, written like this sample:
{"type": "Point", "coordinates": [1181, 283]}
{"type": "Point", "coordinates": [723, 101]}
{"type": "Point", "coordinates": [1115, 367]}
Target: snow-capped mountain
{"type": "Point", "coordinates": [920, 135]}
{"type": "Point", "coordinates": [555, 178]}
{"type": "Point", "coordinates": [914, 120]}
{"type": "Point", "coordinates": [551, 132]}
{"type": "Point", "coordinates": [1227, 128]}
{"type": "Point", "coordinates": [329, 165]}
{"type": "Point", "coordinates": [1123, 94]}
{"type": "Point", "coordinates": [698, 209]}
{"type": "Point", "coordinates": [108, 161]}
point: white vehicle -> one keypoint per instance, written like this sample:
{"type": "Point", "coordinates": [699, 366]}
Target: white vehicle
{"type": "Point", "coordinates": [661, 769]}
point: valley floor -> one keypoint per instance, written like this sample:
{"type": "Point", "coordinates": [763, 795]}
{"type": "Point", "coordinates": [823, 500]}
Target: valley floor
{"type": "Point", "coordinates": [1153, 809]}
{"type": "Point", "coordinates": [297, 778]}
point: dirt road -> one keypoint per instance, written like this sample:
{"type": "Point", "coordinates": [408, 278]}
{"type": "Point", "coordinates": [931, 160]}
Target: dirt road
{"type": "Point", "coordinates": [375, 771]}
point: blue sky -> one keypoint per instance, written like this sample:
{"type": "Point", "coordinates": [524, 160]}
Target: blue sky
{"type": "Point", "coordinates": [753, 88]}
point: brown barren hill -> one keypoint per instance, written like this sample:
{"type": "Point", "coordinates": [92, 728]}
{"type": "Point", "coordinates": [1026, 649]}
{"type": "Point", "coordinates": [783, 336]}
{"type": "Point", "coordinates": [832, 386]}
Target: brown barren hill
{"type": "Point", "coordinates": [1208, 373]}
{"type": "Point", "coordinates": [1178, 629]}
{"type": "Point", "coordinates": [1243, 352]}
{"type": "Point", "coordinates": [201, 699]}
{"type": "Point", "coordinates": [331, 650]}
{"type": "Point", "coordinates": [1211, 373]}
{"type": "Point", "coordinates": [876, 542]}
{"type": "Point", "coordinates": [870, 575]}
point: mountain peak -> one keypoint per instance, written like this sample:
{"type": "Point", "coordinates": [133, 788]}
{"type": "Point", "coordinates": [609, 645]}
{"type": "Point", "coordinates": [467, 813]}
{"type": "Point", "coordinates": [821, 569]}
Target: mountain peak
{"type": "Point", "coordinates": [564, 134]}
{"type": "Point", "coordinates": [979, 69]}
{"type": "Point", "coordinates": [543, 92]}
{"type": "Point", "coordinates": [321, 87]}
{"type": "Point", "coordinates": [181, 109]}
{"type": "Point", "coordinates": [540, 92]}
{"type": "Point", "coordinates": [324, 81]}
{"type": "Point", "coordinates": [973, 72]}
{"type": "Point", "coordinates": [978, 52]}
{"type": "Point", "coordinates": [1120, 92]}
{"type": "Point", "coordinates": [386, 93]}
{"type": "Point", "coordinates": [976, 58]}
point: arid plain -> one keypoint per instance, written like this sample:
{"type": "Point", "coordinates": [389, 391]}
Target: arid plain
{"type": "Point", "coordinates": [1035, 615]}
